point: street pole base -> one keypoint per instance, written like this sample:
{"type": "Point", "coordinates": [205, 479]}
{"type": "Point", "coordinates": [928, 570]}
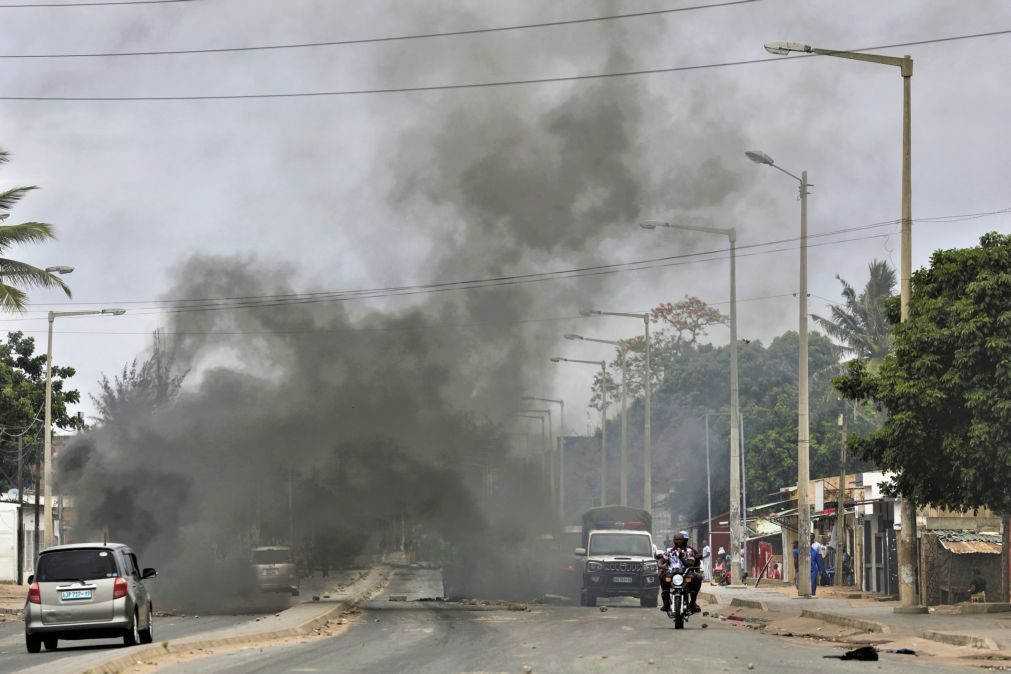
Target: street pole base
{"type": "Point", "coordinates": [911, 609]}
{"type": "Point", "coordinates": [737, 586]}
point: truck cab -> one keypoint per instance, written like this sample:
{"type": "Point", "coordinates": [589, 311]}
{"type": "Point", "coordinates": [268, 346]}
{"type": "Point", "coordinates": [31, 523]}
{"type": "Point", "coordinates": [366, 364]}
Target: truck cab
{"type": "Point", "coordinates": [619, 556]}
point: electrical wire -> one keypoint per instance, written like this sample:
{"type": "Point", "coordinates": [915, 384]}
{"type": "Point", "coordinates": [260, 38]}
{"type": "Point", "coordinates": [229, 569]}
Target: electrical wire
{"type": "Point", "coordinates": [373, 40]}
{"type": "Point", "coordinates": [481, 85]}
{"type": "Point", "coordinates": [181, 305]}
{"type": "Point", "coordinates": [53, 5]}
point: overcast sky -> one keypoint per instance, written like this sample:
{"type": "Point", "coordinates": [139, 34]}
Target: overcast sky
{"type": "Point", "coordinates": [330, 184]}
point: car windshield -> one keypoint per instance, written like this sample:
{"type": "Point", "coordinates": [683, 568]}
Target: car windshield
{"type": "Point", "coordinates": [271, 557]}
{"type": "Point", "coordinates": [65, 565]}
{"type": "Point", "coordinates": [620, 544]}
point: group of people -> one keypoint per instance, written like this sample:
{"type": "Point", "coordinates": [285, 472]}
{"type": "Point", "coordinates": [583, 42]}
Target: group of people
{"type": "Point", "coordinates": [822, 560]}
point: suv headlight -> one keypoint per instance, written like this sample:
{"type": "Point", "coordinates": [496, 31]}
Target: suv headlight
{"type": "Point", "coordinates": [678, 580]}
{"type": "Point", "coordinates": [593, 567]}
{"type": "Point", "coordinates": [649, 567]}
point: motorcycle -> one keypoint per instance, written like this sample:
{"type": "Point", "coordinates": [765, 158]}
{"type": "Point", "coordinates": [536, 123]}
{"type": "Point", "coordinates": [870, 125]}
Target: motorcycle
{"type": "Point", "coordinates": [679, 580]}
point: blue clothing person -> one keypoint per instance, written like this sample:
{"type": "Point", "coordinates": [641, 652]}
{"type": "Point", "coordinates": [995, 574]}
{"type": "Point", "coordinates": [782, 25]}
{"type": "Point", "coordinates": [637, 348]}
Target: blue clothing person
{"type": "Point", "coordinates": [816, 567]}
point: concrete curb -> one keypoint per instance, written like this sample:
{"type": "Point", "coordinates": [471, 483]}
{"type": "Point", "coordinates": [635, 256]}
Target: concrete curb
{"type": "Point", "coordinates": [356, 592]}
{"type": "Point", "coordinates": [749, 603]}
{"type": "Point", "coordinates": [709, 597]}
{"type": "Point", "coordinates": [990, 607]}
{"type": "Point", "coordinates": [955, 639]}
{"type": "Point", "coordinates": [847, 621]}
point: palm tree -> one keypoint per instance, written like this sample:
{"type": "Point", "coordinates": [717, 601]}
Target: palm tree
{"type": "Point", "coordinates": [860, 324]}
{"type": "Point", "coordinates": [12, 272]}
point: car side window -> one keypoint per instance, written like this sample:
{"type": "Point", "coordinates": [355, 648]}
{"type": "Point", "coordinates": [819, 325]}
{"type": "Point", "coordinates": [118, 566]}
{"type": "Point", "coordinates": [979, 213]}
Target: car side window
{"type": "Point", "coordinates": [129, 569]}
{"type": "Point", "coordinates": [135, 564]}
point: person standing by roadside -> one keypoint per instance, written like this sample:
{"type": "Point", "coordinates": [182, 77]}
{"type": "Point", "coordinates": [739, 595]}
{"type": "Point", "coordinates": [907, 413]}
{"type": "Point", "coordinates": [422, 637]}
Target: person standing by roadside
{"type": "Point", "coordinates": [707, 563]}
{"type": "Point", "coordinates": [796, 564]}
{"type": "Point", "coordinates": [816, 565]}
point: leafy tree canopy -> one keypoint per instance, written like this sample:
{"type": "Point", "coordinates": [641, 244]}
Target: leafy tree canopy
{"type": "Point", "coordinates": [22, 396]}
{"type": "Point", "coordinates": [139, 389]}
{"type": "Point", "coordinates": [947, 387]}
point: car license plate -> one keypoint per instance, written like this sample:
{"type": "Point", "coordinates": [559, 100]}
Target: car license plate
{"type": "Point", "coordinates": [270, 572]}
{"type": "Point", "coordinates": [74, 595]}
{"type": "Point", "coordinates": [623, 579]}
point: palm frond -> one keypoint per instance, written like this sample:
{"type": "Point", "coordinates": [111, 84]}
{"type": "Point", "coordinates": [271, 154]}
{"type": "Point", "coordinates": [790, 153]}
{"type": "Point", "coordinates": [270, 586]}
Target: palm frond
{"type": "Point", "coordinates": [10, 197]}
{"type": "Point", "coordinates": [4, 156]}
{"type": "Point", "coordinates": [12, 299]}
{"type": "Point", "coordinates": [26, 232]}
{"type": "Point", "coordinates": [26, 275]}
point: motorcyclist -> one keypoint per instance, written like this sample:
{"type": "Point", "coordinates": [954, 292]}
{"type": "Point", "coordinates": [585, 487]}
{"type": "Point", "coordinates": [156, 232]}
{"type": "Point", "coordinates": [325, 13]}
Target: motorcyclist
{"type": "Point", "coordinates": [679, 557]}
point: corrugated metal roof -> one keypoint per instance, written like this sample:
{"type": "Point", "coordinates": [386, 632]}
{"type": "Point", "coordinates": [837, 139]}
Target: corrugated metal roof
{"type": "Point", "coordinates": [969, 542]}
{"type": "Point", "coordinates": [971, 547]}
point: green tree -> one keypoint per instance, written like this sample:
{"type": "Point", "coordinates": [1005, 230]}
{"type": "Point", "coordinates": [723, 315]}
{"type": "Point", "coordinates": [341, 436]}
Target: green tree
{"type": "Point", "coordinates": [139, 389]}
{"type": "Point", "coordinates": [22, 396]}
{"type": "Point", "coordinates": [860, 325]}
{"type": "Point", "coordinates": [15, 275]}
{"type": "Point", "coordinates": [946, 389]}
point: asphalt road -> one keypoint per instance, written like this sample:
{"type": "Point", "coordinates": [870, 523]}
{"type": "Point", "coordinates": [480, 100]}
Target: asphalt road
{"type": "Point", "coordinates": [419, 636]}
{"type": "Point", "coordinates": [14, 657]}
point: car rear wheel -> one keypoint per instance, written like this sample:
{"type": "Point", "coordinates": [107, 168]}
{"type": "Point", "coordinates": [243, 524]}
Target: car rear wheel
{"type": "Point", "coordinates": [132, 635]}
{"type": "Point", "coordinates": [147, 636]}
{"type": "Point", "coordinates": [33, 643]}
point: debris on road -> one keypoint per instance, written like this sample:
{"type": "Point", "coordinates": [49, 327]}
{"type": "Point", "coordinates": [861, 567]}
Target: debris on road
{"type": "Point", "coordinates": [398, 597]}
{"type": "Point", "coordinates": [866, 653]}
{"type": "Point", "coordinates": [603, 609]}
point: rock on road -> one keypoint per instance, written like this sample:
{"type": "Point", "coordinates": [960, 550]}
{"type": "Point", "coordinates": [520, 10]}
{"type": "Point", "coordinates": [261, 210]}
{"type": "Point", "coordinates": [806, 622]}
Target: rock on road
{"type": "Point", "coordinates": [416, 636]}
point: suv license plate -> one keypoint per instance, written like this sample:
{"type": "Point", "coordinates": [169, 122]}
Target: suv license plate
{"type": "Point", "coordinates": [270, 572]}
{"type": "Point", "coordinates": [71, 595]}
{"type": "Point", "coordinates": [623, 579]}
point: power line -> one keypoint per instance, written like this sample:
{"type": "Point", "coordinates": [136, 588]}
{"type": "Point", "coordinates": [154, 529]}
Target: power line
{"type": "Point", "coordinates": [599, 270]}
{"type": "Point", "coordinates": [482, 85]}
{"type": "Point", "coordinates": [372, 40]}
{"type": "Point", "coordinates": [256, 301]}
{"type": "Point", "coordinates": [93, 4]}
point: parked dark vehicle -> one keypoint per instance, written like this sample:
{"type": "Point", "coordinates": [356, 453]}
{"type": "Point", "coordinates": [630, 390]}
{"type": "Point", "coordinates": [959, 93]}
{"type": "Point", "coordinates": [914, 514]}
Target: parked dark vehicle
{"type": "Point", "coordinates": [88, 591]}
{"type": "Point", "coordinates": [619, 556]}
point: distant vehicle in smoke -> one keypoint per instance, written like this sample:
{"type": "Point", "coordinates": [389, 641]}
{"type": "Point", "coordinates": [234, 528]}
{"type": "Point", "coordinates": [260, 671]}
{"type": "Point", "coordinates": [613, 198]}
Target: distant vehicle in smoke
{"type": "Point", "coordinates": [618, 550]}
{"type": "Point", "coordinates": [88, 591]}
{"type": "Point", "coordinates": [274, 570]}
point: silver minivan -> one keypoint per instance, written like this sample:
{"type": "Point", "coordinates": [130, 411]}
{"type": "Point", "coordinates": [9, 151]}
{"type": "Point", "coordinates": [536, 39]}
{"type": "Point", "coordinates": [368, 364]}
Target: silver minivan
{"type": "Point", "coordinates": [274, 570]}
{"type": "Point", "coordinates": [88, 591]}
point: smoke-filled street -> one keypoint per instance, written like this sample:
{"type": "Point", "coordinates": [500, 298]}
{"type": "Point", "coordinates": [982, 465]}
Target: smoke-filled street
{"type": "Point", "coordinates": [458, 335]}
{"type": "Point", "coordinates": [420, 636]}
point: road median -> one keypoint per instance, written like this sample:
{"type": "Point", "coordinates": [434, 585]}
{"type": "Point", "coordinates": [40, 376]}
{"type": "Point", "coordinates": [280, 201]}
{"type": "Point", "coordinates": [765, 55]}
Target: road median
{"type": "Point", "coordinates": [297, 621]}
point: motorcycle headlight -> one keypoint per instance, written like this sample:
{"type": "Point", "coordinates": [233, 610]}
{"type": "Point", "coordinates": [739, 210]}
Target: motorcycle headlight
{"type": "Point", "coordinates": [592, 567]}
{"type": "Point", "coordinates": [649, 567]}
{"type": "Point", "coordinates": [678, 580]}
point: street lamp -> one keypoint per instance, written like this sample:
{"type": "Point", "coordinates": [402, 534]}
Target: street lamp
{"type": "Point", "coordinates": [547, 463]}
{"type": "Point", "coordinates": [647, 462]}
{"type": "Point", "coordinates": [561, 450]}
{"type": "Point", "coordinates": [735, 432]}
{"type": "Point", "coordinates": [623, 462]}
{"type": "Point", "coordinates": [907, 551]}
{"type": "Point", "coordinates": [47, 473]}
{"type": "Point", "coordinates": [603, 418]}
{"type": "Point", "coordinates": [803, 440]}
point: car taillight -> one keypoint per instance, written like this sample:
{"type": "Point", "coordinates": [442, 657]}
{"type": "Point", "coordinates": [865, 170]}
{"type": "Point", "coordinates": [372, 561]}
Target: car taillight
{"type": "Point", "coordinates": [34, 594]}
{"type": "Point", "coordinates": [119, 588]}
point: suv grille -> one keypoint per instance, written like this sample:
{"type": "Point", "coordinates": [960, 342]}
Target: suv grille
{"type": "Point", "coordinates": [623, 566]}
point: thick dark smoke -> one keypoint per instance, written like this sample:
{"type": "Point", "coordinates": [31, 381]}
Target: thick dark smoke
{"type": "Point", "coordinates": [370, 414]}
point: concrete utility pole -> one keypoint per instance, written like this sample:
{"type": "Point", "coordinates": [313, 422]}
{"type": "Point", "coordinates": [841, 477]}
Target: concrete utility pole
{"type": "Point", "coordinates": [735, 402]}
{"type": "Point", "coordinates": [602, 364]}
{"type": "Point", "coordinates": [21, 510]}
{"type": "Point", "coordinates": [803, 433]}
{"type": "Point", "coordinates": [647, 462]}
{"type": "Point", "coordinates": [561, 450]}
{"type": "Point", "coordinates": [840, 521]}
{"type": "Point", "coordinates": [907, 550]}
{"type": "Point", "coordinates": [47, 479]}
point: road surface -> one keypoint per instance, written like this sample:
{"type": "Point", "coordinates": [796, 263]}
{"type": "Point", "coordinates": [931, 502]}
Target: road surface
{"type": "Point", "coordinates": [417, 636]}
